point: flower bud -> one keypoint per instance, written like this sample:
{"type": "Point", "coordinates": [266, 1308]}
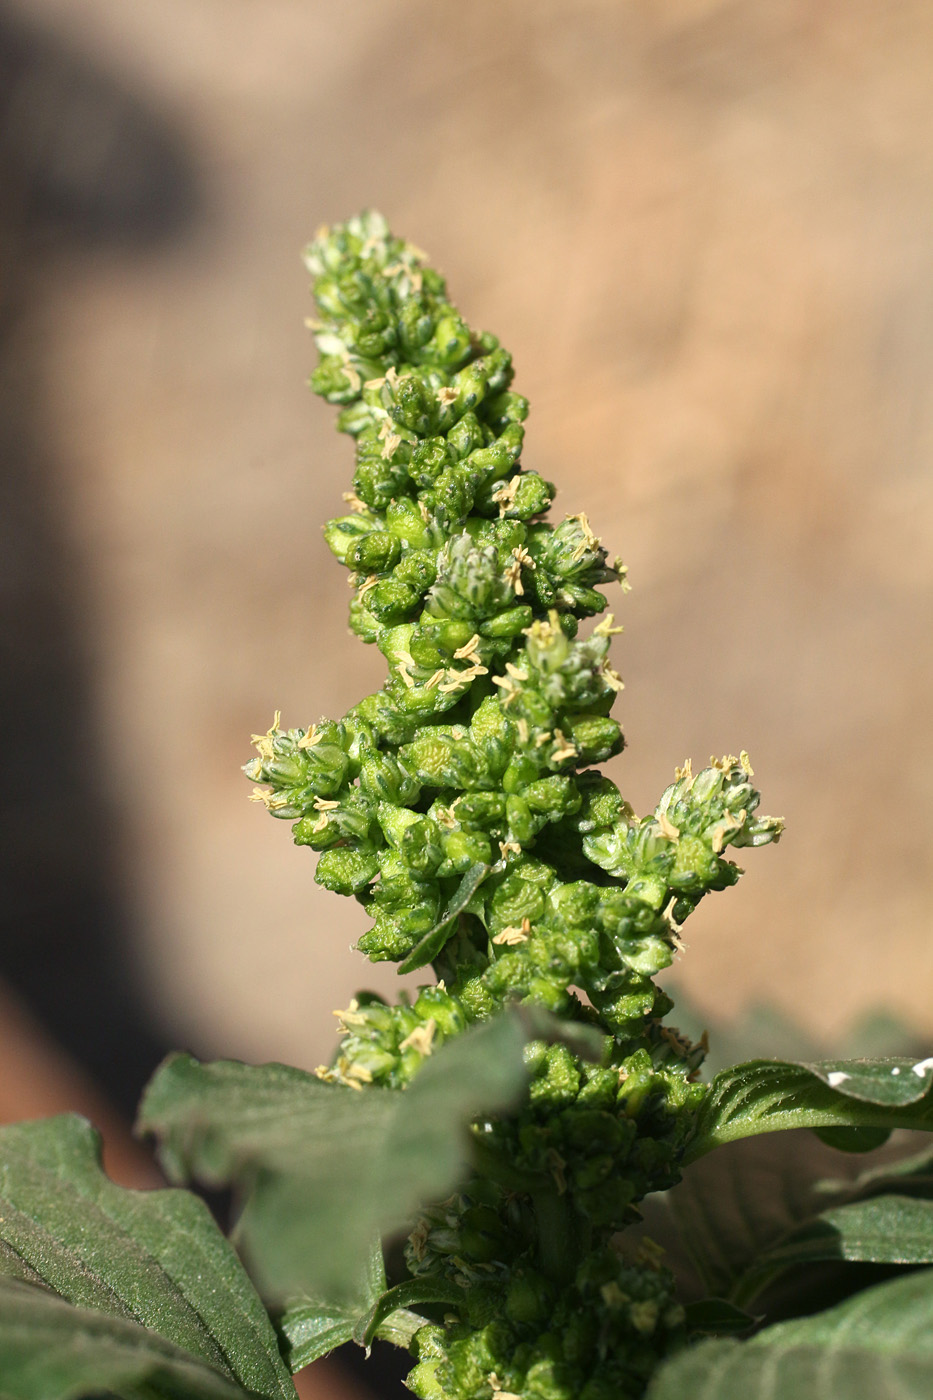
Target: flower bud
{"type": "Point", "coordinates": [348, 531]}
{"type": "Point", "coordinates": [346, 871]}
{"type": "Point", "coordinates": [386, 779]}
{"type": "Point", "coordinates": [374, 553]}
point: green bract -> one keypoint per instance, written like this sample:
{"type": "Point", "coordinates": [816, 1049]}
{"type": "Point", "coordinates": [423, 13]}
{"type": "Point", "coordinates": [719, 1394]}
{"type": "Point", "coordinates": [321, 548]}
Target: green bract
{"type": "Point", "coordinates": [460, 805]}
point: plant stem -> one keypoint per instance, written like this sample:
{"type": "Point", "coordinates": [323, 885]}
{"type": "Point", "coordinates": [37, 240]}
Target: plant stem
{"type": "Point", "coordinates": [560, 1235]}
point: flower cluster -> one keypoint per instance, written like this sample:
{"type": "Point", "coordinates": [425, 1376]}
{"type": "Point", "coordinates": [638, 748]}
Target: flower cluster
{"type": "Point", "coordinates": [460, 805]}
{"type": "Point", "coordinates": [597, 1338]}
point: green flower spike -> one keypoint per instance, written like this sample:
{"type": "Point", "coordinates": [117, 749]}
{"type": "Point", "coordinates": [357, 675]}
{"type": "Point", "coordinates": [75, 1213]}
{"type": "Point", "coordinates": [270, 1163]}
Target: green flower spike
{"type": "Point", "coordinates": [460, 806]}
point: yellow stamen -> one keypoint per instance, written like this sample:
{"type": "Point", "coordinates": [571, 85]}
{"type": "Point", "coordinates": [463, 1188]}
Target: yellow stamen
{"type": "Point", "coordinates": [421, 1038]}
{"type": "Point", "coordinates": [511, 935]}
{"type": "Point", "coordinates": [606, 629]}
{"type": "Point", "coordinates": [263, 742]}
{"type": "Point", "coordinates": [468, 649]}
{"type": "Point", "coordinates": [565, 748]}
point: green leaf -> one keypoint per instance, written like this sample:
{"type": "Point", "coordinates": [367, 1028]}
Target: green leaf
{"type": "Point", "coordinates": [896, 1316]}
{"type": "Point", "coordinates": [412, 1290]}
{"type": "Point", "coordinates": [877, 1345]}
{"type": "Point", "coordinates": [765, 1096]}
{"type": "Point", "coordinates": [311, 1329]}
{"type": "Point", "coordinates": [912, 1173]}
{"type": "Point", "coordinates": [325, 1168]}
{"type": "Point", "coordinates": [894, 1081]}
{"type": "Point", "coordinates": [52, 1350]}
{"type": "Point", "coordinates": [400, 1327]}
{"type": "Point", "coordinates": [154, 1257]}
{"type": "Point", "coordinates": [431, 943]}
{"type": "Point", "coordinates": [731, 1207]}
{"type": "Point", "coordinates": [881, 1230]}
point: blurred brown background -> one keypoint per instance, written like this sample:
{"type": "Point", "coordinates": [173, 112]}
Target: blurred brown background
{"type": "Point", "coordinates": [705, 229]}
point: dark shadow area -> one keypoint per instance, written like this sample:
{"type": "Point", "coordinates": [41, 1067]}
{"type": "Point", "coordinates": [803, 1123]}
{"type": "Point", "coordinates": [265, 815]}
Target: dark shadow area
{"type": "Point", "coordinates": [383, 1371]}
{"type": "Point", "coordinates": [85, 168]}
